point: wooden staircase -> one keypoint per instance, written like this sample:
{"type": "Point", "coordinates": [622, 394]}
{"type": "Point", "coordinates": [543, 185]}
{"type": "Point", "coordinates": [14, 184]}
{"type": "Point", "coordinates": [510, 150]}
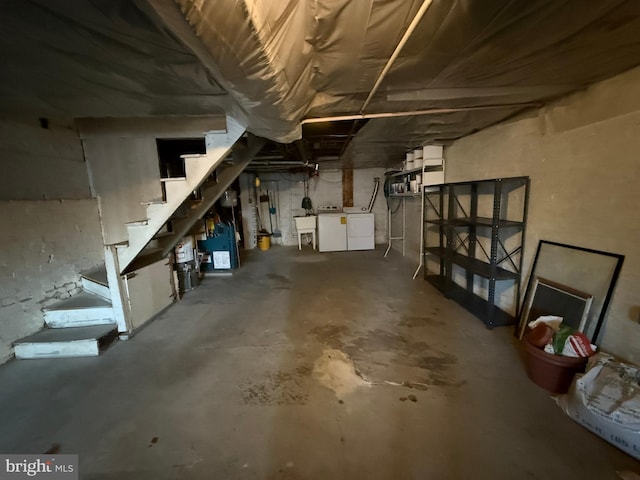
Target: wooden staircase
{"type": "Point", "coordinates": [190, 211]}
{"type": "Point", "coordinates": [87, 323]}
{"type": "Point", "coordinates": [169, 219]}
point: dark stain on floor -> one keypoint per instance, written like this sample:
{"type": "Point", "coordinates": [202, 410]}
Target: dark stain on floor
{"type": "Point", "coordinates": [437, 367]}
{"type": "Point", "coordinates": [278, 278]}
{"type": "Point", "coordinates": [439, 362]}
{"type": "Point", "coordinates": [412, 321]}
{"type": "Point", "coordinates": [392, 308]}
{"type": "Point", "coordinates": [331, 335]}
{"type": "Point", "coordinates": [415, 385]}
{"type": "Point", "coordinates": [379, 340]}
{"type": "Point", "coordinates": [280, 388]}
{"type": "Point", "coordinates": [304, 370]}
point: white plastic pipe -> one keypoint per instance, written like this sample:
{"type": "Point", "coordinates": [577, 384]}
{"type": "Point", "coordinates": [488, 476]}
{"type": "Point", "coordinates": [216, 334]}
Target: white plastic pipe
{"type": "Point", "coordinates": [412, 26]}
{"type": "Point", "coordinates": [432, 111]}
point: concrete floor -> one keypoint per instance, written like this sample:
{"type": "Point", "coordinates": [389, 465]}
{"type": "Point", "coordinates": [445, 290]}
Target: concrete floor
{"type": "Point", "coordinates": [251, 377]}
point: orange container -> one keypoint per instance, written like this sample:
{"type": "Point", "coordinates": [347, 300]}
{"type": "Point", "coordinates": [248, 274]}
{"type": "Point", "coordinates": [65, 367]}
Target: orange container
{"type": "Point", "coordinates": [554, 373]}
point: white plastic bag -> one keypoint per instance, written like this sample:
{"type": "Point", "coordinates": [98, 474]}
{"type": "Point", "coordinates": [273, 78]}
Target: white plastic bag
{"type": "Point", "coordinates": [606, 400]}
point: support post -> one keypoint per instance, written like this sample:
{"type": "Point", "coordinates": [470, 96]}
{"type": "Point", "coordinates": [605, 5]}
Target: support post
{"type": "Point", "coordinates": [119, 296]}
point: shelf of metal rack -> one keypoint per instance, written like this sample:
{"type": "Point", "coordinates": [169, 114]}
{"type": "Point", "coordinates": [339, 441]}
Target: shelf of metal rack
{"type": "Point", "coordinates": [485, 311]}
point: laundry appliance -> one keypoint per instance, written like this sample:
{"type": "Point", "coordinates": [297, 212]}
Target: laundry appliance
{"type": "Point", "coordinates": [360, 228]}
{"type": "Point", "coordinates": [332, 231]}
{"type": "Point", "coordinates": [351, 229]}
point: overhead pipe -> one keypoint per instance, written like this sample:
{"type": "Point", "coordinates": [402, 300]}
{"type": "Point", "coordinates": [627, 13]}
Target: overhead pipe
{"type": "Point", "coordinates": [431, 111]}
{"type": "Point", "coordinates": [412, 26]}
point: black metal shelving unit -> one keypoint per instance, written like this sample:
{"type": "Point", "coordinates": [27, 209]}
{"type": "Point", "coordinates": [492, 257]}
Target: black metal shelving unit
{"type": "Point", "coordinates": [474, 233]}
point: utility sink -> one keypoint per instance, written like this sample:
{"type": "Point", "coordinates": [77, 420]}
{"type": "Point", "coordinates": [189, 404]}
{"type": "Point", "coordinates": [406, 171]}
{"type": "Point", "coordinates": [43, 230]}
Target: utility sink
{"type": "Point", "coordinates": [305, 223]}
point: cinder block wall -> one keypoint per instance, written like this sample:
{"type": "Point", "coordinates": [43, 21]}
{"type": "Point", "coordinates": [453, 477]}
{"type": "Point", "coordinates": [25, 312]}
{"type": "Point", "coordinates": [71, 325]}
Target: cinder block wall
{"type": "Point", "coordinates": [413, 224]}
{"type": "Point", "coordinates": [42, 160]}
{"type": "Point", "coordinates": [50, 225]}
{"type": "Point", "coordinates": [582, 156]}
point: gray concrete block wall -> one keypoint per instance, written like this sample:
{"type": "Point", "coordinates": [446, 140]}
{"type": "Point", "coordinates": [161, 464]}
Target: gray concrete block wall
{"type": "Point", "coordinates": [290, 190]}
{"type": "Point", "coordinates": [45, 159]}
{"type": "Point", "coordinates": [413, 224]}
{"type": "Point", "coordinates": [44, 247]}
{"type": "Point", "coordinates": [581, 154]}
{"type": "Point", "coordinates": [50, 223]}
{"type": "Point", "coordinates": [125, 172]}
{"type": "Point", "coordinates": [249, 217]}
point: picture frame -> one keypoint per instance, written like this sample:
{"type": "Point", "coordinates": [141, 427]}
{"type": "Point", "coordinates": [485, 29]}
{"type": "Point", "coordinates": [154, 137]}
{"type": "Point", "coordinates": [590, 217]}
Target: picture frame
{"type": "Point", "coordinates": [578, 268]}
{"type": "Point", "coordinates": [553, 298]}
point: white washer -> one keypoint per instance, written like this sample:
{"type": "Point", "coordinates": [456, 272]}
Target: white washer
{"type": "Point", "coordinates": [332, 232]}
{"type": "Point", "coordinates": [360, 229]}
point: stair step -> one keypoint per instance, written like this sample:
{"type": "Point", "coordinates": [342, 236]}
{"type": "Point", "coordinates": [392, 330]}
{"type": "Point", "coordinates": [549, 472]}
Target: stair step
{"type": "Point", "coordinates": [157, 201]}
{"type": "Point", "coordinates": [156, 241]}
{"type": "Point", "coordinates": [178, 189]}
{"type": "Point", "coordinates": [193, 156]}
{"type": "Point", "coordinates": [82, 310]}
{"type": "Point", "coordinates": [138, 223]}
{"type": "Point", "coordinates": [193, 203]}
{"type": "Point", "coordinates": [97, 275]}
{"type": "Point", "coordinates": [173, 179]}
{"type": "Point", "coordinates": [95, 282]}
{"type": "Point", "coordinates": [66, 342]}
{"type": "Point", "coordinates": [160, 235]}
{"type": "Point", "coordinates": [154, 209]}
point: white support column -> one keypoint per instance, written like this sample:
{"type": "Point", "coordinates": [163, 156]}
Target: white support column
{"type": "Point", "coordinates": [119, 296]}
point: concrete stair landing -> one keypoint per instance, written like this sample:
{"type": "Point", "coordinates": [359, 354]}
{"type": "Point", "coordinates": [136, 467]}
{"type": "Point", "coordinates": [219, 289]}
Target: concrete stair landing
{"type": "Point", "coordinates": [66, 342]}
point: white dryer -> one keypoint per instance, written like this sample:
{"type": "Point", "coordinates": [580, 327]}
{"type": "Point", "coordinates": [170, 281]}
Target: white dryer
{"type": "Point", "coordinates": [360, 229]}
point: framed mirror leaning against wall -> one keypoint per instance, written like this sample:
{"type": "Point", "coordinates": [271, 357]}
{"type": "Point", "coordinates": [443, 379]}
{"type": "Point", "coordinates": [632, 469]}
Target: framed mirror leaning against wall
{"type": "Point", "coordinates": [572, 282]}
